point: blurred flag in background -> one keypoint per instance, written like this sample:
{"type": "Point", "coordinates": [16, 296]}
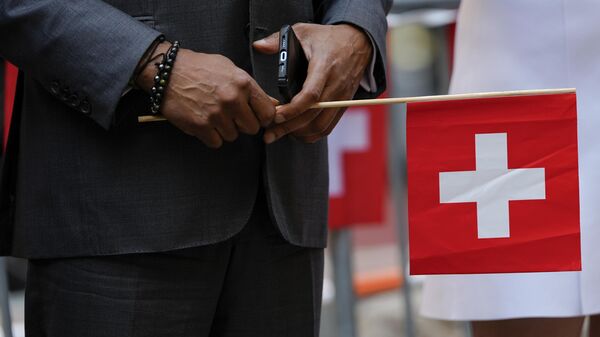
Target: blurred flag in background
{"type": "Point", "coordinates": [357, 168]}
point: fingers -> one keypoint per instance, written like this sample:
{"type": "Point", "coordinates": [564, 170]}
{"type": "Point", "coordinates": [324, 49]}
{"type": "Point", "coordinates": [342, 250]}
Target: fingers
{"type": "Point", "coordinates": [321, 127]}
{"type": "Point", "coordinates": [210, 137]}
{"type": "Point", "coordinates": [275, 101]}
{"type": "Point", "coordinates": [261, 104]}
{"type": "Point", "coordinates": [276, 132]}
{"type": "Point", "coordinates": [226, 128]}
{"type": "Point", "coordinates": [214, 100]}
{"type": "Point", "coordinates": [310, 94]}
{"type": "Point", "coordinates": [337, 58]}
{"type": "Point", "coordinates": [245, 120]}
{"type": "Point", "coordinates": [303, 116]}
{"type": "Point", "coordinates": [268, 45]}
{"type": "Point", "coordinates": [335, 121]}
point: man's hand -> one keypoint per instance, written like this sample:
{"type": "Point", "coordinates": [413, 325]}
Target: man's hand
{"type": "Point", "coordinates": [210, 98]}
{"type": "Point", "coordinates": [338, 56]}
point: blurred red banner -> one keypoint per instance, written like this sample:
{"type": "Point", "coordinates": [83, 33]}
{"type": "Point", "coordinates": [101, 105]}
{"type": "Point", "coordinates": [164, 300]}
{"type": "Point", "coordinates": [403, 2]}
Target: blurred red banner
{"type": "Point", "coordinates": [357, 168]}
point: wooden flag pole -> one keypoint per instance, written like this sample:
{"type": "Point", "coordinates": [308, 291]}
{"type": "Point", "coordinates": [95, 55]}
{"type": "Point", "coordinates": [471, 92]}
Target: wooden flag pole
{"type": "Point", "coordinates": [400, 100]}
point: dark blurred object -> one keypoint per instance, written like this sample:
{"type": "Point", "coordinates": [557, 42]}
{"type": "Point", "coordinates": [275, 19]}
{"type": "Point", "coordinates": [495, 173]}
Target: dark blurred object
{"type": "Point", "coordinates": [16, 268]}
{"type": "Point", "coordinates": [17, 273]}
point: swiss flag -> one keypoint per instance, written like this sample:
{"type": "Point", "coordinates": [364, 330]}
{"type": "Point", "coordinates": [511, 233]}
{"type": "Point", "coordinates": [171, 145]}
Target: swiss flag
{"type": "Point", "coordinates": [493, 185]}
{"type": "Point", "coordinates": [357, 168]}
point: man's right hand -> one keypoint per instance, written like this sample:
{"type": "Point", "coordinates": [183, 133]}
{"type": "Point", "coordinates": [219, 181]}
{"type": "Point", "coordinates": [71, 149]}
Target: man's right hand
{"type": "Point", "coordinates": [210, 98]}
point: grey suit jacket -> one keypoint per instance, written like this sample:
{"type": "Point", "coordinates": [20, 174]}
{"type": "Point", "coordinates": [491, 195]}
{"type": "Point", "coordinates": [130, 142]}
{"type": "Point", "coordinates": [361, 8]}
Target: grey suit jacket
{"type": "Point", "coordinates": [81, 177]}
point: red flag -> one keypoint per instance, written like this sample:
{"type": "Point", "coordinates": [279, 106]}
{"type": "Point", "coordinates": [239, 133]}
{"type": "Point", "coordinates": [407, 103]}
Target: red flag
{"type": "Point", "coordinates": [493, 185]}
{"type": "Point", "coordinates": [357, 168]}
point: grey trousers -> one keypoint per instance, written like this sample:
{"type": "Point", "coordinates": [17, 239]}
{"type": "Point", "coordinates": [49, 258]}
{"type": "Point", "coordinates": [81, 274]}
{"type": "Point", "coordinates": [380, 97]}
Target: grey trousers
{"type": "Point", "coordinates": [254, 284]}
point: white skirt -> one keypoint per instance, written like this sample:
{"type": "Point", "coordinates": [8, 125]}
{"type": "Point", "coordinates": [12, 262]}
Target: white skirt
{"type": "Point", "coordinates": [516, 44]}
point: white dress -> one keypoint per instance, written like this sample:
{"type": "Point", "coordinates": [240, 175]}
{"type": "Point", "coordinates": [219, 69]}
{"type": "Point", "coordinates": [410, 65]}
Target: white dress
{"type": "Point", "coordinates": [531, 44]}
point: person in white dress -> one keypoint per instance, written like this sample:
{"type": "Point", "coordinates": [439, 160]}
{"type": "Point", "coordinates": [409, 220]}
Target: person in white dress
{"type": "Point", "coordinates": [532, 44]}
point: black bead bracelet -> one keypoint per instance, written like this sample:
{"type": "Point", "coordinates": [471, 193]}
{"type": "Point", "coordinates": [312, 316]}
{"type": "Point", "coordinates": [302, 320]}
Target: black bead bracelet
{"type": "Point", "coordinates": [161, 80]}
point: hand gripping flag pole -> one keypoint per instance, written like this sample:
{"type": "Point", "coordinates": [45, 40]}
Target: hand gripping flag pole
{"type": "Point", "coordinates": [400, 100]}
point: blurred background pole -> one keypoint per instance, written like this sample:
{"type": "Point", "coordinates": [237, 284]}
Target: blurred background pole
{"type": "Point", "coordinates": [397, 177]}
{"type": "Point", "coordinates": [419, 65]}
{"type": "Point", "coordinates": [4, 300]}
{"type": "Point", "coordinates": [341, 247]}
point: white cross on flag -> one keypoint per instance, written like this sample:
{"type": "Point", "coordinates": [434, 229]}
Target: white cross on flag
{"type": "Point", "coordinates": [493, 185]}
{"type": "Point", "coordinates": [357, 168]}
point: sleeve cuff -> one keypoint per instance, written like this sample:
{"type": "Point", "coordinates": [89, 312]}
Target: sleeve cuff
{"type": "Point", "coordinates": [368, 82]}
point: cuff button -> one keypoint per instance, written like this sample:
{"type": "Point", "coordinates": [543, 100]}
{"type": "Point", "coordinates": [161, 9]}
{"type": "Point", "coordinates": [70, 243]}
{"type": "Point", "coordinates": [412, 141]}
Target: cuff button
{"type": "Point", "coordinates": [55, 87]}
{"type": "Point", "coordinates": [64, 94]}
{"type": "Point", "coordinates": [85, 107]}
{"type": "Point", "coordinates": [73, 100]}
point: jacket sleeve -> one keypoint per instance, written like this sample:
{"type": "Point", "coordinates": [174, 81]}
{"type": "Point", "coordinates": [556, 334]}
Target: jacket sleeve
{"type": "Point", "coordinates": [370, 15]}
{"type": "Point", "coordinates": [82, 51]}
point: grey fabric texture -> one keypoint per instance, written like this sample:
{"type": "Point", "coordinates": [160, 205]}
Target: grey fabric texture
{"type": "Point", "coordinates": [252, 285]}
{"type": "Point", "coordinates": [83, 178]}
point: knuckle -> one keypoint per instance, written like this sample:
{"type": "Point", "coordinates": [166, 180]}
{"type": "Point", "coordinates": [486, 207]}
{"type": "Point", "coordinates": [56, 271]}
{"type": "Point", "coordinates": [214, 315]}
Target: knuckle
{"type": "Point", "coordinates": [204, 117]}
{"type": "Point", "coordinates": [214, 119]}
{"type": "Point", "coordinates": [228, 97]}
{"type": "Point", "coordinates": [313, 94]}
{"type": "Point", "coordinates": [199, 123]}
{"type": "Point", "coordinates": [242, 80]}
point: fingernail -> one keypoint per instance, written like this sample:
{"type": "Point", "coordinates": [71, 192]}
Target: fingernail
{"type": "Point", "coordinates": [269, 138]}
{"type": "Point", "coordinates": [274, 100]}
{"type": "Point", "coordinates": [279, 119]}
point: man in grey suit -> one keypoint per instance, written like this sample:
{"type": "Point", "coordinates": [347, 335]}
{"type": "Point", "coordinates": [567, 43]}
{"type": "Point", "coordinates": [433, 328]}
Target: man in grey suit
{"type": "Point", "coordinates": [210, 224]}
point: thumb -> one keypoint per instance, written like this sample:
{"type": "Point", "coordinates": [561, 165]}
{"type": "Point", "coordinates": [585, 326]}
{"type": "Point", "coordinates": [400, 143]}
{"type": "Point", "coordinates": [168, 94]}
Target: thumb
{"type": "Point", "coordinates": [268, 45]}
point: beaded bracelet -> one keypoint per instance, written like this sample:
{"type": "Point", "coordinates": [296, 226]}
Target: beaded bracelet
{"type": "Point", "coordinates": [161, 80]}
{"type": "Point", "coordinates": [146, 59]}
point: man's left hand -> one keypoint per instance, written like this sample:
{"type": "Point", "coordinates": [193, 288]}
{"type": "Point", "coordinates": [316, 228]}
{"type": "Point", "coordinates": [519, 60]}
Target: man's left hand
{"type": "Point", "coordinates": [337, 58]}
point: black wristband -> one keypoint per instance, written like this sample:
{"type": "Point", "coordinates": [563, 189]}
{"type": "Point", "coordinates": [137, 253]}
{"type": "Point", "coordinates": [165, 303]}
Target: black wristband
{"type": "Point", "coordinates": [147, 58]}
{"type": "Point", "coordinates": [161, 80]}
